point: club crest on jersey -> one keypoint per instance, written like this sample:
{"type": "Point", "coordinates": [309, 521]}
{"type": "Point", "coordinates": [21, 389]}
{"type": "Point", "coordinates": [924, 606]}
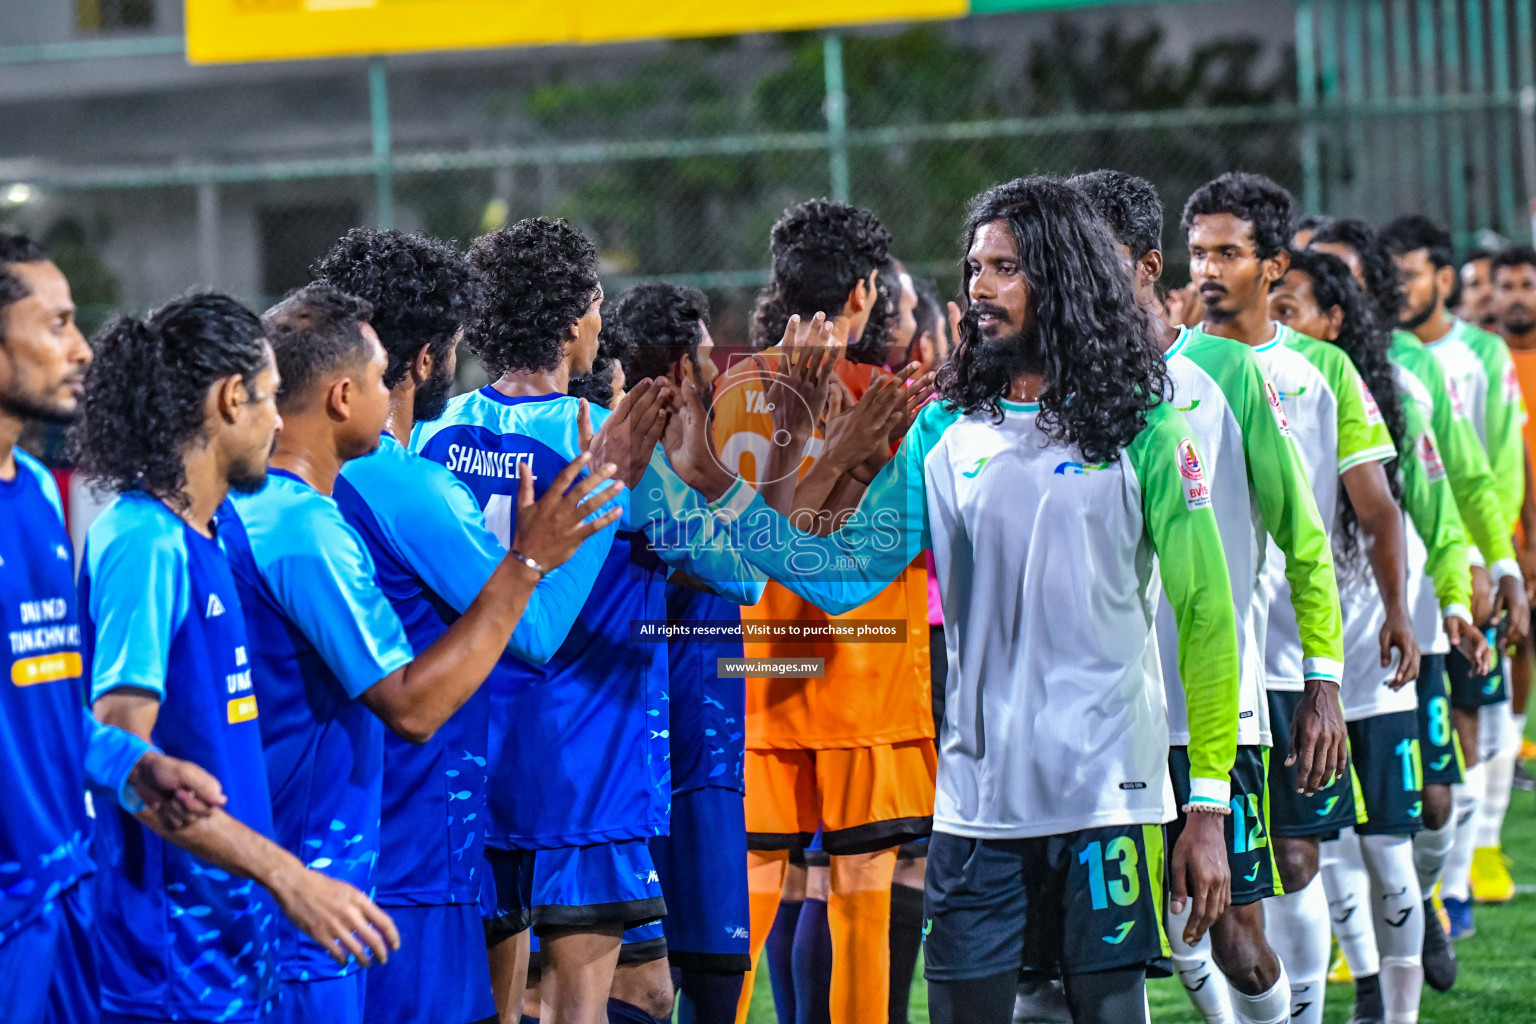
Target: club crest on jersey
{"type": "Point", "coordinates": [1429, 458]}
{"type": "Point", "coordinates": [1458, 407]}
{"type": "Point", "coordinates": [1197, 493]}
{"type": "Point", "coordinates": [1372, 410]}
{"type": "Point", "coordinates": [1273, 397]}
{"type": "Point", "coordinates": [1079, 468]}
{"type": "Point", "coordinates": [1511, 384]}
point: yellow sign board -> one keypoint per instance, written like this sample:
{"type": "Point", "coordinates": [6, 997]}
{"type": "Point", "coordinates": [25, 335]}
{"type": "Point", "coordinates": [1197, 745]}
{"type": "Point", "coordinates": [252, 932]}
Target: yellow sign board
{"type": "Point", "coordinates": [244, 30]}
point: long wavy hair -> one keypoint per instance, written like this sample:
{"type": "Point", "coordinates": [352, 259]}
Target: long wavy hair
{"type": "Point", "coordinates": [1086, 334]}
{"type": "Point", "coordinates": [1365, 340]}
{"type": "Point", "coordinates": [146, 389]}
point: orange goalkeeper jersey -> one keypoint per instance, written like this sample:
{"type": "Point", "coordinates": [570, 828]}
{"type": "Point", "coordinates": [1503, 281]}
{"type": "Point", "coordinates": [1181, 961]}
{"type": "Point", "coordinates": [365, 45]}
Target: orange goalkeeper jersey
{"type": "Point", "coordinates": [872, 693]}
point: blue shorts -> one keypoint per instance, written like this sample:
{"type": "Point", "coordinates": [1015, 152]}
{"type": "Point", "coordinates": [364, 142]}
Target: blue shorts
{"type": "Point", "coordinates": [440, 974]}
{"type": "Point", "coordinates": [574, 886]}
{"type": "Point", "coordinates": [47, 967]}
{"type": "Point", "coordinates": [332, 1000]}
{"type": "Point", "coordinates": [703, 869]}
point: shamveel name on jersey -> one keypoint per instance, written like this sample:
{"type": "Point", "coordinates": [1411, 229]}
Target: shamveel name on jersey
{"type": "Point", "coordinates": [463, 458]}
{"type": "Point", "coordinates": [1197, 493]}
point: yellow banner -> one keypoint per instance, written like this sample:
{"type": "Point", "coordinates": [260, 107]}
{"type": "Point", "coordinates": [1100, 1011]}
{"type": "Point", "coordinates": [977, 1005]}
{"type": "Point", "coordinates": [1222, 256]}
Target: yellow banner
{"type": "Point", "coordinates": [243, 30]}
{"type": "Point", "coordinates": [45, 668]}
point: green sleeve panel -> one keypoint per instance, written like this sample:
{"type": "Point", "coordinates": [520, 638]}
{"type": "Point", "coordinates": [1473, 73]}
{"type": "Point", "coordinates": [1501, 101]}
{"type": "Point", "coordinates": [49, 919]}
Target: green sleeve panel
{"type": "Point", "coordinates": [1286, 503]}
{"type": "Point", "coordinates": [1431, 505]}
{"type": "Point", "coordinates": [1176, 506]}
{"type": "Point", "coordinates": [880, 539]}
{"type": "Point", "coordinates": [1504, 417]}
{"type": "Point", "coordinates": [1363, 434]}
{"type": "Point", "coordinates": [1466, 463]}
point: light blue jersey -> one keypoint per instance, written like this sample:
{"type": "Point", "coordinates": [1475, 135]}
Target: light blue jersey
{"type": "Point", "coordinates": [578, 750]}
{"type": "Point", "coordinates": [162, 616]}
{"type": "Point", "coordinates": [434, 554]}
{"type": "Point", "coordinates": [322, 632]}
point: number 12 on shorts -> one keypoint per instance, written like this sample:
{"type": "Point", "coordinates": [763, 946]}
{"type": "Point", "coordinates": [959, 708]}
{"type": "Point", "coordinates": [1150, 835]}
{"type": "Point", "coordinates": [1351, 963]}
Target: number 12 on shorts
{"type": "Point", "coordinates": [1247, 824]}
{"type": "Point", "coordinates": [1121, 852]}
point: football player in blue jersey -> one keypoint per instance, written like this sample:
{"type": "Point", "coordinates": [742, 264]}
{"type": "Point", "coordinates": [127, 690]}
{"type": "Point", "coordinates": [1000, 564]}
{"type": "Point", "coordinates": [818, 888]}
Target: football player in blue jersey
{"type": "Point", "coordinates": [434, 553]}
{"type": "Point", "coordinates": [332, 661]}
{"type": "Point", "coordinates": [178, 412]}
{"type": "Point", "coordinates": [577, 755]}
{"type": "Point", "coordinates": [50, 745]}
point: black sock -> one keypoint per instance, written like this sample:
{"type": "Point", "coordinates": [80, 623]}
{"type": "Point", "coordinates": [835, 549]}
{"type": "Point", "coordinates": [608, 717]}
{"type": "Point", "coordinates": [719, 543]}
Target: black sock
{"type": "Point", "coordinates": [779, 953]}
{"type": "Point", "coordinates": [1368, 1004]}
{"type": "Point", "coordinates": [1108, 997]}
{"type": "Point", "coordinates": [813, 964]}
{"type": "Point", "coordinates": [906, 944]}
{"type": "Point", "coordinates": [706, 998]}
{"type": "Point", "coordinates": [986, 1000]}
{"type": "Point", "coordinates": [620, 1012]}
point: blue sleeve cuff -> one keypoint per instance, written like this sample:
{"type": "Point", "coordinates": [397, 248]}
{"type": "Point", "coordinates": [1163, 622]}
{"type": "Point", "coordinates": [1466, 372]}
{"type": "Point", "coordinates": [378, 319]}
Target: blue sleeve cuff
{"type": "Point", "coordinates": [730, 505]}
{"type": "Point", "coordinates": [110, 755]}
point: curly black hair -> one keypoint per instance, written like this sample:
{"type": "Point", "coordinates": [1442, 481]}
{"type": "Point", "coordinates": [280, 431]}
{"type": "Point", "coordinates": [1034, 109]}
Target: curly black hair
{"type": "Point", "coordinates": [1130, 205]}
{"type": "Point", "coordinates": [873, 343]}
{"type": "Point", "coordinates": [1088, 336]}
{"type": "Point", "coordinates": [655, 325]}
{"type": "Point", "coordinates": [314, 332]}
{"type": "Point", "coordinates": [16, 249]}
{"type": "Point", "coordinates": [538, 277]}
{"type": "Point", "coordinates": [1376, 264]}
{"type": "Point", "coordinates": [1513, 256]}
{"type": "Point", "coordinates": [1310, 222]}
{"type": "Point", "coordinates": [821, 250]}
{"type": "Point", "coordinates": [1366, 341]}
{"type": "Point", "coordinates": [1254, 198]}
{"type": "Point", "coordinates": [421, 289]}
{"type": "Point", "coordinates": [145, 390]}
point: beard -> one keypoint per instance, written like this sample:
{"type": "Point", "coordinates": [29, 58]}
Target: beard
{"type": "Point", "coordinates": [26, 407]}
{"type": "Point", "coordinates": [994, 364]}
{"type": "Point", "coordinates": [1517, 319]}
{"type": "Point", "coordinates": [248, 479]}
{"type": "Point", "coordinates": [432, 396]}
{"type": "Point", "coordinates": [1411, 319]}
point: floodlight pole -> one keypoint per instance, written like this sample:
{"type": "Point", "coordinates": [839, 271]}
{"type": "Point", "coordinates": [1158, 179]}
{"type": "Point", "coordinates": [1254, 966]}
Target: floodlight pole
{"type": "Point", "coordinates": [837, 114]}
{"type": "Point", "coordinates": [383, 161]}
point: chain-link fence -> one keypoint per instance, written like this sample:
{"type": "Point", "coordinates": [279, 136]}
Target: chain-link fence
{"type": "Point", "coordinates": [677, 157]}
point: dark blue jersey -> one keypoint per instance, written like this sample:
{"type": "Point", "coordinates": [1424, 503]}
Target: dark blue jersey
{"type": "Point", "coordinates": [434, 553]}
{"type": "Point", "coordinates": [578, 746]}
{"type": "Point", "coordinates": [709, 739]}
{"type": "Point", "coordinates": [162, 615]}
{"type": "Point", "coordinates": [48, 740]}
{"type": "Point", "coordinates": [322, 632]}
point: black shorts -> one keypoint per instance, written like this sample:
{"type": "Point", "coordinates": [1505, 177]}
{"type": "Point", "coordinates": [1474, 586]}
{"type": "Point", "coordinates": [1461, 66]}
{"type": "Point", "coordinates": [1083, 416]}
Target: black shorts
{"type": "Point", "coordinates": [1293, 814]}
{"type": "Point", "coordinates": [1249, 855]}
{"type": "Point", "coordinates": [1439, 749]}
{"type": "Point", "coordinates": [1068, 904]}
{"type": "Point", "coordinates": [1389, 773]}
{"type": "Point", "coordinates": [1470, 691]}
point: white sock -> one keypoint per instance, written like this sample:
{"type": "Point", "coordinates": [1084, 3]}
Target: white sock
{"type": "Point", "coordinates": [1202, 980]}
{"type": "Point", "coordinates": [1431, 847]}
{"type": "Point", "coordinates": [1501, 771]}
{"type": "Point", "coordinates": [1456, 882]}
{"type": "Point", "coordinates": [1398, 914]}
{"type": "Point", "coordinates": [1272, 1007]}
{"type": "Point", "coordinates": [1296, 925]}
{"type": "Point", "coordinates": [1348, 888]}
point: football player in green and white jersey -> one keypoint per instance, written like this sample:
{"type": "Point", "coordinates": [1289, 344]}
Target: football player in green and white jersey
{"type": "Point", "coordinates": [1481, 376]}
{"type": "Point", "coordinates": [1055, 485]}
{"type": "Point", "coordinates": [1259, 489]}
{"type": "Point", "coordinates": [1372, 868]}
{"type": "Point", "coordinates": [1238, 228]}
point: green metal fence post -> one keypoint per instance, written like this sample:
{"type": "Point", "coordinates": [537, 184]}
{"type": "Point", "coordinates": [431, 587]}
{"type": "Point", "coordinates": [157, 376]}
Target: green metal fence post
{"type": "Point", "coordinates": [837, 115]}
{"type": "Point", "coordinates": [383, 159]}
{"type": "Point", "coordinates": [1306, 91]}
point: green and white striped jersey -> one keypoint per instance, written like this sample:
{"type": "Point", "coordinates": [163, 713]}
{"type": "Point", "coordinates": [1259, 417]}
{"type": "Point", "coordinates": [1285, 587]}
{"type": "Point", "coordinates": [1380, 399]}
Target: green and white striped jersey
{"type": "Point", "coordinates": [1337, 426]}
{"type": "Point", "coordinates": [1259, 490]}
{"type": "Point", "coordinates": [1439, 580]}
{"type": "Point", "coordinates": [1481, 377]}
{"type": "Point", "coordinates": [1054, 718]}
{"type": "Point", "coordinates": [1466, 461]}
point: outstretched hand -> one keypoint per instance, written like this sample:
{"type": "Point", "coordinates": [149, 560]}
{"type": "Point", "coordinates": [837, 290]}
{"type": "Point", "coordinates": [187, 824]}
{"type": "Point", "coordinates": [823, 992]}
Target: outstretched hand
{"type": "Point", "coordinates": [689, 445]}
{"type": "Point", "coordinates": [629, 435]}
{"type": "Point", "coordinates": [551, 529]}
